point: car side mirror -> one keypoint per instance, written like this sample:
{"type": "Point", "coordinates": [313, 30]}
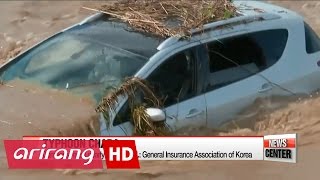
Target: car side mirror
{"type": "Point", "coordinates": [156, 115]}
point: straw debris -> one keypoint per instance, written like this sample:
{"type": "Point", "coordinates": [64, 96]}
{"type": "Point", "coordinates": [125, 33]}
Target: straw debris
{"type": "Point", "coordinates": [145, 127]}
{"type": "Point", "coordinates": [128, 89]}
{"type": "Point", "coordinates": [142, 123]}
{"type": "Point", "coordinates": [168, 18]}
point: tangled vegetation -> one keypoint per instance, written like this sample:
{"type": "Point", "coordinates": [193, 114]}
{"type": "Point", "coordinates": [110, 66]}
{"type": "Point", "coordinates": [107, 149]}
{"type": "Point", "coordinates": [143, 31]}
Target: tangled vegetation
{"type": "Point", "coordinates": [141, 120]}
{"type": "Point", "coordinates": [168, 17]}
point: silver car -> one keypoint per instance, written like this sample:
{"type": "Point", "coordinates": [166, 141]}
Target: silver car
{"type": "Point", "coordinates": [208, 79]}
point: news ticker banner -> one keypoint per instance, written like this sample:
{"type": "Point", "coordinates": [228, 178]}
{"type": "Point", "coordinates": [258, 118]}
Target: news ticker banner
{"type": "Point", "coordinates": [271, 147]}
{"type": "Point", "coordinates": [184, 148]}
{"type": "Point", "coordinates": [126, 152]}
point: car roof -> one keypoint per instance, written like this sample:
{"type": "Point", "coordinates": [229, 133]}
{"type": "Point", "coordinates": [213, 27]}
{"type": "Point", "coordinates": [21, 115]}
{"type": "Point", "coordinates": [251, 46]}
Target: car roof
{"type": "Point", "coordinates": [251, 8]}
{"type": "Point", "coordinates": [248, 11]}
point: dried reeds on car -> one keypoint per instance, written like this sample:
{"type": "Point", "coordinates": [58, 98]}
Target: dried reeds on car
{"type": "Point", "coordinates": [145, 127]}
{"type": "Point", "coordinates": [158, 17]}
{"type": "Point", "coordinates": [128, 89]}
{"type": "Point", "coordinates": [141, 120]}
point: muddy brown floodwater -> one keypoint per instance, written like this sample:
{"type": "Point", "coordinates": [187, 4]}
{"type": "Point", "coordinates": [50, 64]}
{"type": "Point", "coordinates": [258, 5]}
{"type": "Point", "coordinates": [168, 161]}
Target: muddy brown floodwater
{"type": "Point", "coordinates": [30, 109]}
{"type": "Point", "coordinates": [27, 108]}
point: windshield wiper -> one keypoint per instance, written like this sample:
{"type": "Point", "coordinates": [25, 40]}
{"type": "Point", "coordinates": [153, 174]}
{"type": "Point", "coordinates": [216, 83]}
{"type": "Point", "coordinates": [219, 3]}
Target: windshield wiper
{"type": "Point", "coordinates": [68, 86]}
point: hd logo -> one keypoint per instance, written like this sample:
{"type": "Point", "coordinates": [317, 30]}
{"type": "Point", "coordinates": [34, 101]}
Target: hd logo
{"type": "Point", "coordinates": [281, 148]}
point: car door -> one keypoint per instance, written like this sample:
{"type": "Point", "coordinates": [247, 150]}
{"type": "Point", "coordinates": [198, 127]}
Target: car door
{"type": "Point", "coordinates": [177, 80]}
{"type": "Point", "coordinates": [279, 65]}
{"type": "Point", "coordinates": [233, 80]}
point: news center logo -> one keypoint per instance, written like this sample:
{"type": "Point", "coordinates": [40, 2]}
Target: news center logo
{"type": "Point", "coordinates": [281, 148]}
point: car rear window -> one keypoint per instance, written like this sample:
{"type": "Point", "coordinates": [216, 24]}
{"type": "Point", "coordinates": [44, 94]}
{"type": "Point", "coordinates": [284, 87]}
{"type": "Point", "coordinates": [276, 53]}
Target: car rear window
{"type": "Point", "coordinates": [238, 57]}
{"type": "Point", "coordinates": [312, 40]}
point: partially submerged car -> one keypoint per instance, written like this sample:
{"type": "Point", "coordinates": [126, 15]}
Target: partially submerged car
{"type": "Point", "coordinates": [207, 79]}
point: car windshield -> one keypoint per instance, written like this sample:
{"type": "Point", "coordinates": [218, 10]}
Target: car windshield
{"type": "Point", "coordinates": [80, 62]}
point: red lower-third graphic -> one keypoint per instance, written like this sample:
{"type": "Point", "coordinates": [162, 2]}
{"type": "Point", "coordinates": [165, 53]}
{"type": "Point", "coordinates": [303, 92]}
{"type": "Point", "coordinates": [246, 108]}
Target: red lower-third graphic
{"type": "Point", "coordinates": [53, 154]}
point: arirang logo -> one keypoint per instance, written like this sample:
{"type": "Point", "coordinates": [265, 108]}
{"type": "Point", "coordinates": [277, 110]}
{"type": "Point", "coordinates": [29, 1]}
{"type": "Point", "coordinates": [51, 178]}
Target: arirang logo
{"type": "Point", "coordinates": [39, 154]}
{"type": "Point", "coordinates": [44, 153]}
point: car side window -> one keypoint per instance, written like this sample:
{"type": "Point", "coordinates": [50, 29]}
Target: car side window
{"type": "Point", "coordinates": [233, 59]}
{"type": "Point", "coordinates": [123, 115]}
{"type": "Point", "coordinates": [312, 40]}
{"type": "Point", "coordinates": [174, 80]}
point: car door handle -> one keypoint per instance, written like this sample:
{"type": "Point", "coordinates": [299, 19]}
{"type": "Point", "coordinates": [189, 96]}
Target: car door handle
{"type": "Point", "coordinates": [265, 87]}
{"type": "Point", "coordinates": [172, 117]}
{"type": "Point", "coordinates": [193, 112]}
